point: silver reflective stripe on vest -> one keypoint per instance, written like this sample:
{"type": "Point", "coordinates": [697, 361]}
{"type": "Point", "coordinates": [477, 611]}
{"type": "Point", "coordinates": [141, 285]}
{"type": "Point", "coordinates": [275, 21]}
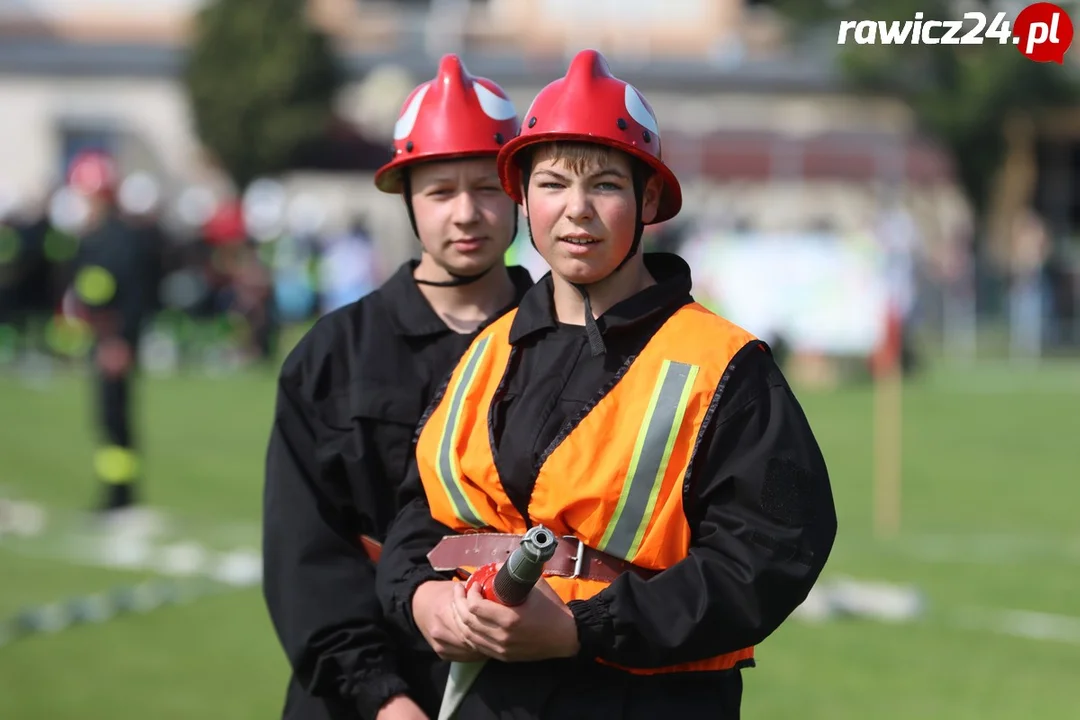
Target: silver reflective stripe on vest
{"type": "Point", "coordinates": [448, 468]}
{"type": "Point", "coordinates": [652, 451]}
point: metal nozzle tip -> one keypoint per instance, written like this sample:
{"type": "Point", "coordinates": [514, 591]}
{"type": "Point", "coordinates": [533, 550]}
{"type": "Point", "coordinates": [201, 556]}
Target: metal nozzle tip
{"type": "Point", "coordinates": [540, 536]}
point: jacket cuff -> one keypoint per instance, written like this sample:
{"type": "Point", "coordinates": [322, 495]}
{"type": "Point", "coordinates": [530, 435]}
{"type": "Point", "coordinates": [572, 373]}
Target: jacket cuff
{"type": "Point", "coordinates": [416, 577]}
{"type": "Point", "coordinates": [374, 690]}
{"type": "Point", "coordinates": [596, 631]}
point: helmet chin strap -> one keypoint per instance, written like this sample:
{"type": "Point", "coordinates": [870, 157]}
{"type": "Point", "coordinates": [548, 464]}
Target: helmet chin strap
{"type": "Point", "coordinates": [592, 330]}
{"type": "Point", "coordinates": [458, 280]}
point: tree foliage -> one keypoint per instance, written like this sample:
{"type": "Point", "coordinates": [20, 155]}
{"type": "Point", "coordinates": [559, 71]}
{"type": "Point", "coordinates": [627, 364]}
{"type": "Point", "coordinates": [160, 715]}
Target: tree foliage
{"type": "Point", "coordinates": [261, 81]}
{"type": "Point", "coordinates": [962, 94]}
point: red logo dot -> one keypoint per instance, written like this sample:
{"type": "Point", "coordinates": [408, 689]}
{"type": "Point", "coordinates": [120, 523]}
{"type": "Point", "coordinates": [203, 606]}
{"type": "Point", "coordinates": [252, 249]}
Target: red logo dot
{"type": "Point", "coordinates": [1043, 32]}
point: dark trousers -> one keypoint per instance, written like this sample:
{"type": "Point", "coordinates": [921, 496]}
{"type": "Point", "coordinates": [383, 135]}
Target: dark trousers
{"type": "Point", "coordinates": [573, 690]}
{"type": "Point", "coordinates": [116, 464]}
{"type": "Point", "coordinates": [114, 409]}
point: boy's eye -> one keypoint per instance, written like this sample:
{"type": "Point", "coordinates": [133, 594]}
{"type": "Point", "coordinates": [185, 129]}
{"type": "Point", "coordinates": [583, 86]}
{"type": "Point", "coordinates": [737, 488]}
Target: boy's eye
{"type": "Point", "coordinates": [550, 184]}
{"type": "Point", "coordinates": [608, 186]}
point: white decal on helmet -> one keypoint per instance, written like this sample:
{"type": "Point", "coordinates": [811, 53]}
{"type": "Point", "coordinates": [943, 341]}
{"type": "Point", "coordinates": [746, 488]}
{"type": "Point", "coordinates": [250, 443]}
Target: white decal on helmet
{"type": "Point", "coordinates": [494, 106]}
{"type": "Point", "coordinates": [404, 126]}
{"type": "Point", "coordinates": [638, 111]}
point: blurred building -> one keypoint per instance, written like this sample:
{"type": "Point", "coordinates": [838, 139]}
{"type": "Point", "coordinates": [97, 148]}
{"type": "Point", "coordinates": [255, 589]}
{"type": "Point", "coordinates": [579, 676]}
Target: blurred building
{"type": "Point", "coordinates": [761, 130]}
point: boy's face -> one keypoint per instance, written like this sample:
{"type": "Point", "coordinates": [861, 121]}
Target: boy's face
{"type": "Point", "coordinates": [463, 217]}
{"type": "Point", "coordinates": [583, 213]}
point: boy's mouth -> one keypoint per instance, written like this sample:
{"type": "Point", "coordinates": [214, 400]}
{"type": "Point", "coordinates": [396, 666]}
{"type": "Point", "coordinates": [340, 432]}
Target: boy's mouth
{"type": "Point", "coordinates": [580, 239]}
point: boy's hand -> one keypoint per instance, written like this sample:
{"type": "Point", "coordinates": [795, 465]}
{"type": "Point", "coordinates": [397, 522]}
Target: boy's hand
{"type": "Point", "coordinates": [540, 628]}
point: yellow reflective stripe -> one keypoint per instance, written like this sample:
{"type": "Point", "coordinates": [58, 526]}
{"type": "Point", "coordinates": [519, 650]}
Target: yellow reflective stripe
{"type": "Point", "coordinates": [114, 464]}
{"type": "Point", "coordinates": [448, 465]}
{"type": "Point", "coordinates": [649, 463]}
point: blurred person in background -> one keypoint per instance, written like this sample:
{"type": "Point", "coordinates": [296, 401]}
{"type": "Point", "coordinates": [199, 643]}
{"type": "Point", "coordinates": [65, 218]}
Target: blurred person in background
{"type": "Point", "coordinates": [240, 284]}
{"type": "Point", "coordinates": [252, 299]}
{"type": "Point", "coordinates": [900, 242]}
{"type": "Point", "coordinates": [110, 286]}
{"type": "Point", "coordinates": [660, 441]}
{"type": "Point", "coordinates": [1031, 247]}
{"type": "Point", "coordinates": [348, 267]}
{"type": "Point", "coordinates": [139, 201]}
{"type": "Point", "coordinates": [352, 392]}
{"type": "Point", "coordinates": [291, 261]}
{"type": "Point", "coordinates": [12, 268]}
{"type": "Point", "coordinates": [27, 296]}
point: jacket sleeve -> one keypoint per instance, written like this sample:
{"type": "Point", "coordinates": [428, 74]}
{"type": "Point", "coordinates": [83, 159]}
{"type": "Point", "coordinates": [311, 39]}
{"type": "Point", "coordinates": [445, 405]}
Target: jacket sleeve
{"type": "Point", "coordinates": [318, 584]}
{"type": "Point", "coordinates": [763, 523]}
{"type": "Point", "coordinates": [404, 565]}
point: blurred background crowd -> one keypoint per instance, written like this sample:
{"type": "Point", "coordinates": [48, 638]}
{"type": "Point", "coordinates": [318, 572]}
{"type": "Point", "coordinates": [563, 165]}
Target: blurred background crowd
{"type": "Point", "coordinates": [218, 289]}
{"type": "Point", "coordinates": [840, 201]}
{"type": "Point", "coordinates": [943, 186]}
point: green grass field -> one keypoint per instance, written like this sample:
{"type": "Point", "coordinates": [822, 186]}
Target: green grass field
{"type": "Point", "coordinates": [991, 507]}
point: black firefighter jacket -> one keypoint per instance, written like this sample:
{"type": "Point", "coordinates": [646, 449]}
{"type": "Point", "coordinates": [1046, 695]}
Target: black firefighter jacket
{"type": "Point", "coordinates": [349, 398]}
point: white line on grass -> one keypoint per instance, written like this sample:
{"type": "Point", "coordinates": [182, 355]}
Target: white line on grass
{"type": "Point", "coordinates": [840, 599]}
{"type": "Point", "coordinates": [145, 540]}
{"type": "Point", "coordinates": [1022, 623]}
{"type": "Point", "coordinates": [994, 549]}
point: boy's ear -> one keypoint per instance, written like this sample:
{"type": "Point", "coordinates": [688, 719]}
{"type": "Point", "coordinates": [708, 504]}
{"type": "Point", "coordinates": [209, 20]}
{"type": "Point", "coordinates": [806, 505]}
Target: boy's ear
{"type": "Point", "coordinates": [524, 163]}
{"type": "Point", "coordinates": [651, 202]}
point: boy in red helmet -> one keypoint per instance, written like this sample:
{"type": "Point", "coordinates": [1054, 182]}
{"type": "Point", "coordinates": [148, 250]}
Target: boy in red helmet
{"type": "Point", "coordinates": [660, 441]}
{"type": "Point", "coordinates": [352, 392]}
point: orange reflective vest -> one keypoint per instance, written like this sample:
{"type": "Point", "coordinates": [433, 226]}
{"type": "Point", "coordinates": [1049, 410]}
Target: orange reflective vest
{"type": "Point", "coordinates": [615, 481]}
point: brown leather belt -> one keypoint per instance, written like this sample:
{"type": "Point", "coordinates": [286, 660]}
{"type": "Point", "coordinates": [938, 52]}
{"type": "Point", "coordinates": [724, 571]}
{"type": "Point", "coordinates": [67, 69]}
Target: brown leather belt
{"type": "Point", "coordinates": [573, 558]}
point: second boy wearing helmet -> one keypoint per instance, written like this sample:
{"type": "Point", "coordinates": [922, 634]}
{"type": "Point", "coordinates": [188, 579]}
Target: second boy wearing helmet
{"type": "Point", "coordinates": [350, 396]}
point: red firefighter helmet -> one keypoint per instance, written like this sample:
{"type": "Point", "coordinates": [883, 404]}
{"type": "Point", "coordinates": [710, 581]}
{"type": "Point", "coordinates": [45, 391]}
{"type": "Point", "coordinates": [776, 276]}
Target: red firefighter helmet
{"type": "Point", "coordinates": [455, 115]}
{"type": "Point", "coordinates": [93, 173]}
{"type": "Point", "coordinates": [591, 105]}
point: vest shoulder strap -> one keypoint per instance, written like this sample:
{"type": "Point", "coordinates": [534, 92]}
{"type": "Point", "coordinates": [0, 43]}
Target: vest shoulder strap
{"type": "Point", "coordinates": [698, 336]}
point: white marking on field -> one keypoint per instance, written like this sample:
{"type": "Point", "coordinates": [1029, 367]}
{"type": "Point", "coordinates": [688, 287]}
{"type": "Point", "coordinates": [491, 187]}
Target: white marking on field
{"type": "Point", "coordinates": [849, 598]}
{"type": "Point", "coordinates": [993, 549]}
{"type": "Point", "coordinates": [22, 519]}
{"type": "Point", "coordinates": [142, 539]}
{"type": "Point", "coordinates": [1022, 623]}
{"type": "Point", "coordinates": [890, 603]}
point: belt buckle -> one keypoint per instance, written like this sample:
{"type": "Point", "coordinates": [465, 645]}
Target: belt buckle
{"type": "Point", "coordinates": [579, 557]}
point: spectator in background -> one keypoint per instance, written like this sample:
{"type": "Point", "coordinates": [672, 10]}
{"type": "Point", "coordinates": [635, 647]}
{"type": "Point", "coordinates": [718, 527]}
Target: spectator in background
{"type": "Point", "coordinates": [1031, 248]}
{"type": "Point", "coordinates": [348, 268]}
{"type": "Point", "coordinates": [900, 242]}
{"type": "Point", "coordinates": [110, 286]}
{"type": "Point", "coordinates": [139, 202]}
{"type": "Point", "coordinates": [27, 296]}
{"type": "Point", "coordinates": [252, 299]}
